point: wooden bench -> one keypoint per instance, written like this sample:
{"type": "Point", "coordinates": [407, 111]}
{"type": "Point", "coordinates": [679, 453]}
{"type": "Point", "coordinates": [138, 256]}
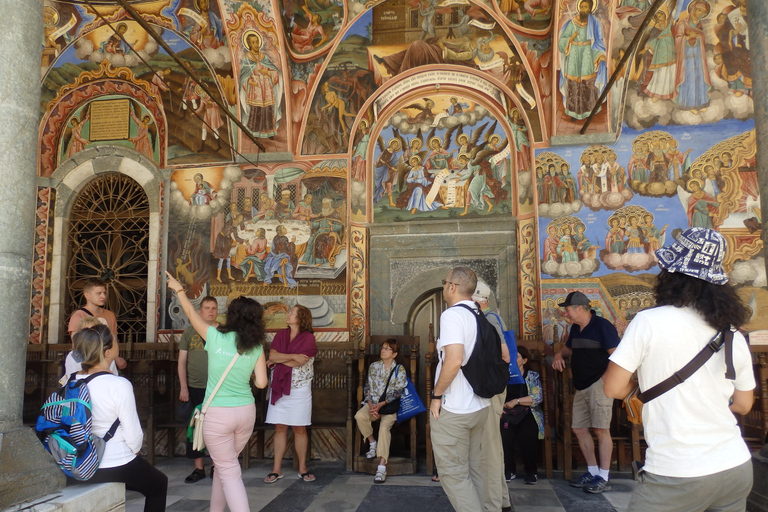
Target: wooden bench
{"type": "Point", "coordinates": [408, 356]}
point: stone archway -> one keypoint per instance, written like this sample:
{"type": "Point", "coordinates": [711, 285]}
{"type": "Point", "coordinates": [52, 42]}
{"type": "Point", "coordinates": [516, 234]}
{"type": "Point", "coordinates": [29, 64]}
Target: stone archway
{"type": "Point", "coordinates": [68, 181]}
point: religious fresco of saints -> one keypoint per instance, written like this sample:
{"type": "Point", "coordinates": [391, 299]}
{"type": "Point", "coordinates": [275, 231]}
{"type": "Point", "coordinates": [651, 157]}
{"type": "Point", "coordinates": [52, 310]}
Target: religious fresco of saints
{"type": "Point", "coordinates": [429, 164]}
{"type": "Point", "coordinates": [656, 164]}
{"type": "Point", "coordinates": [567, 250]}
{"type": "Point", "coordinates": [583, 61]}
{"type": "Point", "coordinates": [720, 191]}
{"type": "Point", "coordinates": [556, 188]}
{"type": "Point", "coordinates": [261, 87]}
{"type": "Point", "coordinates": [601, 180]}
{"type": "Point", "coordinates": [632, 239]}
{"type": "Point", "coordinates": [692, 66]}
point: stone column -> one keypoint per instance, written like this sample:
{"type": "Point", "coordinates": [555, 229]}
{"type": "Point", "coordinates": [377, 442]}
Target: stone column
{"type": "Point", "coordinates": [26, 469]}
{"type": "Point", "coordinates": [757, 17]}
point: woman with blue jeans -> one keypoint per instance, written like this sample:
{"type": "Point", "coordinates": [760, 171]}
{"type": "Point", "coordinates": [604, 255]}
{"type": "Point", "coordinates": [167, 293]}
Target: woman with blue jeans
{"type": "Point", "coordinates": [231, 415]}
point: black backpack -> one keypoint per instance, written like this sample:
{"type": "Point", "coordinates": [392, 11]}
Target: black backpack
{"type": "Point", "coordinates": [485, 370]}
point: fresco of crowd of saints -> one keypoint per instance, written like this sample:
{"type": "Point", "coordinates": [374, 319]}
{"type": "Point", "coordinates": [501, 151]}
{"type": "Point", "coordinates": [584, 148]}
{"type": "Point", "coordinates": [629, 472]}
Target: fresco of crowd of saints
{"type": "Point", "coordinates": [632, 240]}
{"type": "Point", "coordinates": [440, 167]}
{"type": "Point", "coordinates": [567, 250]}
{"type": "Point", "coordinates": [693, 64]}
{"type": "Point", "coordinates": [720, 189]}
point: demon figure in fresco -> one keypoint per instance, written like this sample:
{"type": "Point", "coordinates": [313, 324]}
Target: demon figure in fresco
{"type": "Point", "coordinates": [567, 250]}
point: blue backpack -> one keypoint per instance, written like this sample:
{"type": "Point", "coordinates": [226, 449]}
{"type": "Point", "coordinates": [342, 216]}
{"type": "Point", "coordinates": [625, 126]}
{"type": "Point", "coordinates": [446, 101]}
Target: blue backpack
{"type": "Point", "coordinates": [64, 427]}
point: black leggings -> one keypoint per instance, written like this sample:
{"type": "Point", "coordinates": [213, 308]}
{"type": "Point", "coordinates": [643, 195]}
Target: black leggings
{"type": "Point", "coordinates": [525, 436]}
{"type": "Point", "coordinates": [141, 476]}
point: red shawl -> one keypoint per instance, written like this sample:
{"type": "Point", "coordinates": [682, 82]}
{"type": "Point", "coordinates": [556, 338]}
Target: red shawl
{"type": "Point", "coordinates": [303, 343]}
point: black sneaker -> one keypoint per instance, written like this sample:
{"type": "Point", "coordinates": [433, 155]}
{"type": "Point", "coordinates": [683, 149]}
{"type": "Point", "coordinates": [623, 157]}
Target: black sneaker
{"type": "Point", "coordinates": [531, 480]}
{"type": "Point", "coordinates": [510, 477]}
{"type": "Point", "coordinates": [583, 480]}
{"type": "Point", "coordinates": [598, 485]}
{"type": "Point", "coordinates": [195, 476]}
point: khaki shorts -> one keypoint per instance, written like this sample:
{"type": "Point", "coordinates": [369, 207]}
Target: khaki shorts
{"type": "Point", "coordinates": [591, 408]}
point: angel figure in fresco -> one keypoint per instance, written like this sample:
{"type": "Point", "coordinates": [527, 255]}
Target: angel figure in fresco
{"type": "Point", "coordinates": [208, 29]}
{"type": "Point", "coordinates": [425, 115]}
{"type": "Point", "coordinates": [260, 85]}
{"type": "Point", "coordinates": [303, 38]}
{"type": "Point", "coordinates": [634, 234]}
{"type": "Point", "coordinates": [385, 168]}
{"type": "Point", "coordinates": [141, 141]}
{"type": "Point", "coordinates": [78, 142]}
{"type": "Point", "coordinates": [439, 157]}
{"type": "Point", "coordinates": [692, 77]}
{"type": "Point", "coordinates": [478, 192]}
{"type": "Point", "coordinates": [700, 206]}
{"type": "Point", "coordinates": [203, 193]}
{"type": "Point", "coordinates": [583, 71]}
{"type": "Point", "coordinates": [417, 186]}
{"type": "Point", "coordinates": [654, 237]}
{"type": "Point", "coordinates": [659, 80]}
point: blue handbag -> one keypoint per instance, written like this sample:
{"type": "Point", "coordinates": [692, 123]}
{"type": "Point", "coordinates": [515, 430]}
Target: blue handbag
{"type": "Point", "coordinates": [410, 403]}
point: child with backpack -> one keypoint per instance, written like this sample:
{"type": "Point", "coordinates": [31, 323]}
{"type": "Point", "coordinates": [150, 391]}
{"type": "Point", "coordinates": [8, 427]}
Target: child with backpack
{"type": "Point", "coordinates": [112, 399]}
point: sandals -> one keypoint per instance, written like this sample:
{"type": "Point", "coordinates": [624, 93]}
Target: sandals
{"type": "Point", "coordinates": [380, 477]}
{"type": "Point", "coordinates": [436, 478]}
{"type": "Point", "coordinates": [307, 477]}
{"type": "Point", "coordinates": [271, 480]}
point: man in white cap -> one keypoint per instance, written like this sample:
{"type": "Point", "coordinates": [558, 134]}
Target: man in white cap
{"type": "Point", "coordinates": [591, 340]}
{"type": "Point", "coordinates": [495, 490]}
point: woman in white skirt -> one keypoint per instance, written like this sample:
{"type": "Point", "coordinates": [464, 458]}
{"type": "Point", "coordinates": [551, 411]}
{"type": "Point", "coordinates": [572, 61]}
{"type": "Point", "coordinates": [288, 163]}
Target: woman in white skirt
{"type": "Point", "coordinates": [291, 357]}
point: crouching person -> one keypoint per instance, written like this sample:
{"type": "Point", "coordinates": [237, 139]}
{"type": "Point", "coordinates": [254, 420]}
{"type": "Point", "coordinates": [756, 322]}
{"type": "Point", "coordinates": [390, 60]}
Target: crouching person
{"type": "Point", "coordinates": [381, 400]}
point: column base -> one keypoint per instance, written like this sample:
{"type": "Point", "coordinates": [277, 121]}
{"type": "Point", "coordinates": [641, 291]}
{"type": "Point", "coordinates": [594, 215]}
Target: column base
{"type": "Point", "coordinates": [27, 471]}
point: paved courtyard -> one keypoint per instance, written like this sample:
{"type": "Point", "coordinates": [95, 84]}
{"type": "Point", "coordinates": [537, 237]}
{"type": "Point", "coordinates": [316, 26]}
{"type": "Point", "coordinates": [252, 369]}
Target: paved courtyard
{"type": "Point", "coordinates": [336, 490]}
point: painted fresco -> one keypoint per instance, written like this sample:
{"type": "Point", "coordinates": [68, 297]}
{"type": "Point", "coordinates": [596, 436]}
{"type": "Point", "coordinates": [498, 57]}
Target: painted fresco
{"type": "Point", "coordinates": [582, 44]}
{"type": "Point", "coordinates": [528, 14]}
{"type": "Point", "coordinates": [441, 157]}
{"type": "Point", "coordinates": [233, 234]}
{"type": "Point", "coordinates": [691, 68]}
{"type": "Point", "coordinates": [195, 129]}
{"type": "Point", "coordinates": [312, 25]}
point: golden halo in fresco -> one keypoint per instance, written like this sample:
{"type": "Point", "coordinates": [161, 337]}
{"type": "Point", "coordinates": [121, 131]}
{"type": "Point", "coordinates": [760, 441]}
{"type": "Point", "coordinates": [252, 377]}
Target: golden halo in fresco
{"type": "Point", "coordinates": [246, 35]}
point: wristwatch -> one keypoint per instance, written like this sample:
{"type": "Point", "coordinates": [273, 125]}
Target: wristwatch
{"type": "Point", "coordinates": [518, 401]}
{"type": "Point", "coordinates": [436, 397]}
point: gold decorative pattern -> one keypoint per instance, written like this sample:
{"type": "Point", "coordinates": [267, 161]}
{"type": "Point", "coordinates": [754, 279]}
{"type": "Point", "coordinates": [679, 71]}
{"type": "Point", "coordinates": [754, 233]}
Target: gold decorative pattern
{"type": "Point", "coordinates": [528, 276]}
{"type": "Point", "coordinates": [358, 282]}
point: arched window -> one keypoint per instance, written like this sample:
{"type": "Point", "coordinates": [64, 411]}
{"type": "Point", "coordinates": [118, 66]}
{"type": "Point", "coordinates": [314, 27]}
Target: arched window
{"type": "Point", "coordinates": [109, 240]}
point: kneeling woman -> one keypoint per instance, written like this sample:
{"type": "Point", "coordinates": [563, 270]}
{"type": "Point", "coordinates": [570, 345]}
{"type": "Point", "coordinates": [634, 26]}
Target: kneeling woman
{"type": "Point", "coordinates": [111, 399]}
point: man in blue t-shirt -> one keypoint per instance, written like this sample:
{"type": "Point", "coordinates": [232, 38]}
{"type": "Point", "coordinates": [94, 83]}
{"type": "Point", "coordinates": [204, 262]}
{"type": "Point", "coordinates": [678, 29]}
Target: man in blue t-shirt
{"type": "Point", "coordinates": [591, 340]}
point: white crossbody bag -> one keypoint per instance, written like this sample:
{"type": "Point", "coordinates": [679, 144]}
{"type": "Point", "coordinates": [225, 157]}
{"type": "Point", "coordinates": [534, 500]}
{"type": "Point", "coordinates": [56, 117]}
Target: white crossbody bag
{"type": "Point", "coordinates": [199, 416]}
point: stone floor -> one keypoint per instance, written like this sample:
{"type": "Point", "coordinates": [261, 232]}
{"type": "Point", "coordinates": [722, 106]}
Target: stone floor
{"type": "Point", "coordinates": [336, 490]}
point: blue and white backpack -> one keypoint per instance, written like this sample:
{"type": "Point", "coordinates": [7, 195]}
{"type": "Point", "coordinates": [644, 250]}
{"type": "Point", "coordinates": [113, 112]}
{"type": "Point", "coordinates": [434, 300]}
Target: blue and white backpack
{"type": "Point", "coordinates": [64, 427]}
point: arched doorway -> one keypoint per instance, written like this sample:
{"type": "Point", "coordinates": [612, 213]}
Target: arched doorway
{"type": "Point", "coordinates": [108, 239]}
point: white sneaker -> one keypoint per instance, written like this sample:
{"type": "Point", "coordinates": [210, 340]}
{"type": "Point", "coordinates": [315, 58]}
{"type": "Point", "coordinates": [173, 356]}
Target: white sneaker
{"type": "Point", "coordinates": [371, 453]}
{"type": "Point", "coordinates": [380, 477]}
